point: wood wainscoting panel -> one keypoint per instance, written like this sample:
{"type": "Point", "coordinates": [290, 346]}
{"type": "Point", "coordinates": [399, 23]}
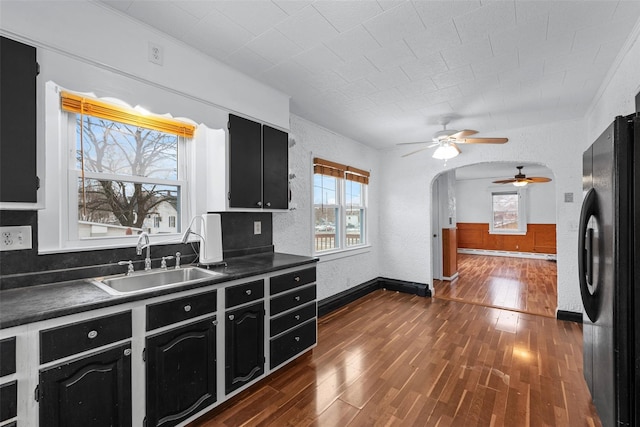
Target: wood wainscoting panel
{"type": "Point", "coordinates": [540, 238]}
{"type": "Point", "coordinates": [449, 252]}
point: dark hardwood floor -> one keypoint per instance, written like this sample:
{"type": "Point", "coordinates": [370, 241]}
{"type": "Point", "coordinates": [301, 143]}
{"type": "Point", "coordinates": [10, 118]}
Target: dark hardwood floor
{"type": "Point", "coordinates": [397, 359]}
{"type": "Point", "coordinates": [520, 284]}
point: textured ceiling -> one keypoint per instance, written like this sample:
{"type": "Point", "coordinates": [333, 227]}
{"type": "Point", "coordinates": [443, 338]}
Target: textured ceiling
{"type": "Point", "coordinates": [384, 72]}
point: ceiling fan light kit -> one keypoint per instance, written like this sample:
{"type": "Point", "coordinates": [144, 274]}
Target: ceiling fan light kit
{"type": "Point", "coordinates": [446, 151]}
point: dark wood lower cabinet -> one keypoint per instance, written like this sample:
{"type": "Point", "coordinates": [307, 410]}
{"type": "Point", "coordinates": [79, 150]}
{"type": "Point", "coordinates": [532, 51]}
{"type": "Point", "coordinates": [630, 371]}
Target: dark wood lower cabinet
{"type": "Point", "coordinates": [181, 372]}
{"type": "Point", "coordinates": [94, 390]}
{"type": "Point", "coordinates": [244, 349]}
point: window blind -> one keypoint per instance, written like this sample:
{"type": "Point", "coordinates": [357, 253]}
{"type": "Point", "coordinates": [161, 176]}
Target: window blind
{"type": "Point", "coordinates": [338, 170]}
{"type": "Point", "coordinates": [104, 110]}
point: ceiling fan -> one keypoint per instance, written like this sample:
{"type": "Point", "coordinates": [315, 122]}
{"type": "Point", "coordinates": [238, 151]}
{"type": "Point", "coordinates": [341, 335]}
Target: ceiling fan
{"type": "Point", "coordinates": [520, 179]}
{"type": "Point", "coordinates": [447, 141]}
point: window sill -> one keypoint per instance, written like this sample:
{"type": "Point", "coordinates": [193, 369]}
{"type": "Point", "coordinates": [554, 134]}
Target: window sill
{"type": "Point", "coordinates": [509, 233]}
{"type": "Point", "coordinates": [342, 253]}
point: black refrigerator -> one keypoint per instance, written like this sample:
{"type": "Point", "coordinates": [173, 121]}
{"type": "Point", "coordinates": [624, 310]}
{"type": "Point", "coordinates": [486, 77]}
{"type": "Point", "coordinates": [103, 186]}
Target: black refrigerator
{"type": "Point", "coordinates": [609, 265]}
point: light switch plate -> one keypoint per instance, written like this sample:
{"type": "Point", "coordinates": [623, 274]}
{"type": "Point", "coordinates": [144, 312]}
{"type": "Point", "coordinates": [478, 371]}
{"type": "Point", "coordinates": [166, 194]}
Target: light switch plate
{"type": "Point", "coordinates": [15, 238]}
{"type": "Point", "coordinates": [257, 227]}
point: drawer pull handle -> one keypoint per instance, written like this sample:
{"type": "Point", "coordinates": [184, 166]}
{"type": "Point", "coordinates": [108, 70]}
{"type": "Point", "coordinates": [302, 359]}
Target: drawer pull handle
{"type": "Point", "coordinates": [215, 322]}
{"type": "Point", "coordinates": [297, 298]}
{"type": "Point", "coordinates": [92, 334]}
{"type": "Point", "coordinates": [248, 291]}
{"type": "Point", "coordinates": [297, 278]}
{"type": "Point", "coordinates": [297, 338]}
{"type": "Point", "coordinates": [231, 317]}
{"type": "Point", "coordinates": [187, 308]}
{"type": "Point", "coordinates": [127, 352]}
{"type": "Point", "coordinates": [297, 317]}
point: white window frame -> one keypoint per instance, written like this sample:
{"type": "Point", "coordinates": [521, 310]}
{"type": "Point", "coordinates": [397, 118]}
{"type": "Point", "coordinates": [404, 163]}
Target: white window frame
{"type": "Point", "coordinates": [341, 218]}
{"type": "Point", "coordinates": [522, 210]}
{"type": "Point", "coordinates": [61, 207]}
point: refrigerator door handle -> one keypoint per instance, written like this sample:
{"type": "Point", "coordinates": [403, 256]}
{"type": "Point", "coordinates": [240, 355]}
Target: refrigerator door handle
{"type": "Point", "coordinates": [586, 249]}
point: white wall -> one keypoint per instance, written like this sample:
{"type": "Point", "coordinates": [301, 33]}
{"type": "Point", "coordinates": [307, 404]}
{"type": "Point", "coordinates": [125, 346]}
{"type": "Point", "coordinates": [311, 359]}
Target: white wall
{"type": "Point", "coordinates": [474, 201]}
{"type": "Point", "coordinates": [617, 94]}
{"type": "Point", "coordinates": [293, 231]}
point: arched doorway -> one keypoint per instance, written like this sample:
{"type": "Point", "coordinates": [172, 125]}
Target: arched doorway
{"type": "Point", "coordinates": [503, 259]}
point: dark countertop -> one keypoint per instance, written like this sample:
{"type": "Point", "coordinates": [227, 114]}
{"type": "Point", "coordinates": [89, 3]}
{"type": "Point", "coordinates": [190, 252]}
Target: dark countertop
{"type": "Point", "coordinates": [35, 303]}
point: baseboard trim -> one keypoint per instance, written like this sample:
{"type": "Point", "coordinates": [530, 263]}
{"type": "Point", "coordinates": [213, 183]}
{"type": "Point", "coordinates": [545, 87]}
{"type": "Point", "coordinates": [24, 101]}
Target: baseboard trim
{"type": "Point", "coordinates": [343, 298]}
{"type": "Point", "coordinates": [570, 316]}
{"type": "Point", "coordinates": [487, 252]}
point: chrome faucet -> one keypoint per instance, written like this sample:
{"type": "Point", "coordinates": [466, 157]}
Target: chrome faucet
{"type": "Point", "coordinates": [140, 246]}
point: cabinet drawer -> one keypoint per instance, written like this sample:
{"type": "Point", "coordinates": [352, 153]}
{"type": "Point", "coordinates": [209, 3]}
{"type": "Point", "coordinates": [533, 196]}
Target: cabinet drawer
{"type": "Point", "coordinates": [239, 294]}
{"type": "Point", "coordinates": [288, 281]}
{"type": "Point", "coordinates": [8, 400]}
{"type": "Point", "coordinates": [293, 342]}
{"type": "Point", "coordinates": [70, 339]}
{"type": "Point", "coordinates": [293, 318]}
{"type": "Point", "coordinates": [179, 309]}
{"type": "Point", "coordinates": [292, 299]}
{"type": "Point", "coordinates": [7, 356]}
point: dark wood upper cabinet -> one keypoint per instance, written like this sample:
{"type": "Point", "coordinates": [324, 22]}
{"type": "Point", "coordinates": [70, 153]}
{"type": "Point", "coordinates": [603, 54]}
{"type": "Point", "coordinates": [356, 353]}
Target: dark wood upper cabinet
{"type": "Point", "coordinates": [258, 165]}
{"type": "Point", "coordinates": [275, 166]}
{"type": "Point", "coordinates": [18, 71]}
{"type": "Point", "coordinates": [245, 163]}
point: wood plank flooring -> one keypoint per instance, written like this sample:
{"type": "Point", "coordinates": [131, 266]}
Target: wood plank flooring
{"type": "Point", "coordinates": [401, 360]}
{"type": "Point", "coordinates": [520, 284]}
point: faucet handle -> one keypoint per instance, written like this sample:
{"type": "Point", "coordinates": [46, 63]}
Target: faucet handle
{"type": "Point", "coordinates": [163, 264]}
{"type": "Point", "coordinates": [129, 265]}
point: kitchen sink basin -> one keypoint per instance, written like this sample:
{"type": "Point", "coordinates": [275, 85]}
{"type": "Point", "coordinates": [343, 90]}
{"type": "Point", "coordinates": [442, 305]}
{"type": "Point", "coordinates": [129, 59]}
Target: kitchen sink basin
{"type": "Point", "coordinates": [150, 280]}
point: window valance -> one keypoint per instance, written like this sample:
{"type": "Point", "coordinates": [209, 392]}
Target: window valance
{"type": "Point", "coordinates": [79, 104]}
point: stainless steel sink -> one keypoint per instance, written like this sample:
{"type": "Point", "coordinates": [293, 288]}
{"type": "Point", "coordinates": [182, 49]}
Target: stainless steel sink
{"type": "Point", "coordinates": [149, 280]}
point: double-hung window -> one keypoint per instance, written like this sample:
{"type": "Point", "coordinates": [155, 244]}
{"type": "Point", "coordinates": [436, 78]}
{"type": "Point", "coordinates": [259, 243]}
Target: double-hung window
{"type": "Point", "coordinates": [127, 176]}
{"type": "Point", "coordinates": [339, 206]}
{"type": "Point", "coordinates": [508, 213]}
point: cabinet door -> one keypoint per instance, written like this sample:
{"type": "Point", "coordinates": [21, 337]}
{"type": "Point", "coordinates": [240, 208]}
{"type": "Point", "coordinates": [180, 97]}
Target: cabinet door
{"type": "Point", "coordinates": [245, 163]}
{"type": "Point", "coordinates": [91, 391]}
{"type": "Point", "coordinates": [275, 166]}
{"type": "Point", "coordinates": [181, 372]}
{"type": "Point", "coordinates": [244, 350]}
{"type": "Point", "coordinates": [18, 68]}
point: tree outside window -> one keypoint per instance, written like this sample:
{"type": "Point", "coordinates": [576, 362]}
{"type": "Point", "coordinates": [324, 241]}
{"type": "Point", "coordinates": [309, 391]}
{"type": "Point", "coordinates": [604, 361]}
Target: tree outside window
{"type": "Point", "coordinates": [127, 172]}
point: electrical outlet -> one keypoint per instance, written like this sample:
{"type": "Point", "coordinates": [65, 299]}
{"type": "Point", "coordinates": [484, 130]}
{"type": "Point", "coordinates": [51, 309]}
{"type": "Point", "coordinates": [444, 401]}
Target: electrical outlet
{"type": "Point", "coordinates": [257, 227]}
{"type": "Point", "coordinates": [15, 238]}
{"type": "Point", "coordinates": [155, 53]}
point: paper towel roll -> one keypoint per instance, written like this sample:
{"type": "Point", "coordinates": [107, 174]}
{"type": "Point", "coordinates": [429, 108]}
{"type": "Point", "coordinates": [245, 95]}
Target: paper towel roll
{"type": "Point", "coordinates": [211, 247]}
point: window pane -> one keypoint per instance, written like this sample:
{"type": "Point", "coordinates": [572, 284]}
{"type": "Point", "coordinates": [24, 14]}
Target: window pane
{"type": "Point", "coordinates": [326, 226]}
{"type": "Point", "coordinates": [353, 193]}
{"type": "Point", "coordinates": [324, 190]}
{"type": "Point", "coordinates": [116, 148]}
{"type": "Point", "coordinates": [119, 208]}
{"type": "Point", "coordinates": [355, 227]}
{"type": "Point", "coordinates": [505, 211]}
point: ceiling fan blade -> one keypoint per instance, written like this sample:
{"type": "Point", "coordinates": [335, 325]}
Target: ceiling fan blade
{"type": "Point", "coordinates": [535, 179]}
{"type": "Point", "coordinates": [414, 152]}
{"type": "Point", "coordinates": [463, 133]}
{"type": "Point", "coordinates": [483, 140]}
{"type": "Point", "coordinates": [453, 144]}
{"type": "Point", "coordinates": [505, 181]}
{"type": "Point", "coordinates": [413, 143]}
